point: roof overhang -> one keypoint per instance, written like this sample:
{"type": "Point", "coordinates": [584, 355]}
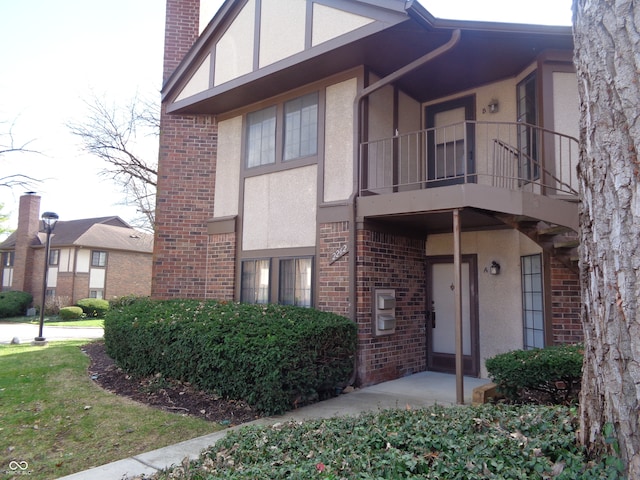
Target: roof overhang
{"type": "Point", "coordinates": [487, 52]}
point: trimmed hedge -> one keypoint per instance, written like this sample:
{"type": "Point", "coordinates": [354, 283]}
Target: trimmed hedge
{"type": "Point", "coordinates": [14, 303]}
{"type": "Point", "coordinates": [70, 313]}
{"type": "Point", "coordinates": [272, 356]}
{"type": "Point", "coordinates": [93, 307]}
{"type": "Point", "coordinates": [547, 375]}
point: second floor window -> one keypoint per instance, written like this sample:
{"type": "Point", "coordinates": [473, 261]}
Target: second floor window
{"type": "Point", "coordinates": [54, 257]}
{"type": "Point", "coordinates": [9, 259]}
{"type": "Point", "coordinates": [282, 133]}
{"type": "Point", "coordinates": [98, 259]}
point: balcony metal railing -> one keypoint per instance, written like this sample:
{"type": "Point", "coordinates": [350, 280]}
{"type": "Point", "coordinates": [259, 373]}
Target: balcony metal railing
{"type": "Point", "coordinates": [516, 156]}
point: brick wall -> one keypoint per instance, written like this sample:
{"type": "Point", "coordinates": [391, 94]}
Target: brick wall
{"type": "Point", "coordinates": [333, 276]}
{"type": "Point", "coordinates": [391, 261]}
{"type": "Point", "coordinates": [186, 179]}
{"type": "Point", "coordinates": [186, 176]}
{"type": "Point", "coordinates": [221, 274]}
{"type": "Point", "coordinates": [128, 273]}
{"type": "Point", "coordinates": [25, 278]}
{"type": "Point", "coordinates": [566, 304]}
{"type": "Point", "coordinates": [182, 25]}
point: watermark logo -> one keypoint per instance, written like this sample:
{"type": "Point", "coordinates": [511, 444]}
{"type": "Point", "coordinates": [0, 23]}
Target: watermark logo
{"type": "Point", "coordinates": [18, 468]}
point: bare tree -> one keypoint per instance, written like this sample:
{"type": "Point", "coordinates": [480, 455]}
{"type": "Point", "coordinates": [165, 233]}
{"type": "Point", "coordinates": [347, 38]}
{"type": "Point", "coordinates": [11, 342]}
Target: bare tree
{"type": "Point", "coordinates": [9, 145]}
{"type": "Point", "coordinates": [607, 58]}
{"type": "Point", "coordinates": [117, 136]}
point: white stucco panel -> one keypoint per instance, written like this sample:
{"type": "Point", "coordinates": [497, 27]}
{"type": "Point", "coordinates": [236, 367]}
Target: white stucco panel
{"type": "Point", "coordinates": [52, 277]}
{"type": "Point", "coordinates": [338, 143]}
{"type": "Point", "coordinates": [280, 210]}
{"type": "Point", "coordinates": [228, 167]}
{"type": "Point", "coordinates": [199, 82]}
{"type": "Point", "coordinates": [65, 263]}
{"type": "Point", "coordinates": [96, 278]}
{"type": "Point", "coordinates": [83, 261]}
{"type": "Point", "coordinates": [234, 51]}
{"type": "Point", "coordinates": [330, 23]}
{"type": "Point", "coordinates": [282, 29]}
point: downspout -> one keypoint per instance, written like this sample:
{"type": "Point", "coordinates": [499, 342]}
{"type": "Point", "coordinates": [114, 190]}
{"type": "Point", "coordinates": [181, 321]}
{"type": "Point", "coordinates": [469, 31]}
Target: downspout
{"type": "Point", "coordinates": [357, 107]}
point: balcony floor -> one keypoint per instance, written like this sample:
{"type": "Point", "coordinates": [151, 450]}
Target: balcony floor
{"type": "Point", "coordinates": [429, 210]}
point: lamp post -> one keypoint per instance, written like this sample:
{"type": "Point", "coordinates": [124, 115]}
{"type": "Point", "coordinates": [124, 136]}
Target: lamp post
{"type": "Point", "coordinates": [49, 220]}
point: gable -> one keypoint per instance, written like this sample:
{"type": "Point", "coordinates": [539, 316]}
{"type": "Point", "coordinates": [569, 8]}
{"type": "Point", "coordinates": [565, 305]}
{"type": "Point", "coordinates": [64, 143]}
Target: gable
{"type": "Point", "coordinates": [255, 37]}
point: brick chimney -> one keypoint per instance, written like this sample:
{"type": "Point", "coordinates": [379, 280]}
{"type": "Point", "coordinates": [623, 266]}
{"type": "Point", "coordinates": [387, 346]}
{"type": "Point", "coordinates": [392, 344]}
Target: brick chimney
{"type": "Point", "coordinates": [186, 175]}
{"type": "Point", "coordinates": [182, 27]}
{"type": "Point", "coordinates": [26, 236]}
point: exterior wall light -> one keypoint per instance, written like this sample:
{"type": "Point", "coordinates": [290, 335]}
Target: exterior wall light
{"type": "Point", "coordinates": [493, 106]}
{"type": "Point", "coordinates": [49, 220]}
{"type": "Point", "coordinates": [494, 269]}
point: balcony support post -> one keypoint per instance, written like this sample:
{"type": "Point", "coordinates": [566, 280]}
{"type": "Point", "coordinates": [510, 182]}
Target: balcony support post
{"type": "Point", "coordinates": [457, 292]}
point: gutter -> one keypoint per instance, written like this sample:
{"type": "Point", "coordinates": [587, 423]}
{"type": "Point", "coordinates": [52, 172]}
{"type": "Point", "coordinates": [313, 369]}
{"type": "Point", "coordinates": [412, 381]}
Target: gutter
{"type": "Point", "coordinates": [357, 107]}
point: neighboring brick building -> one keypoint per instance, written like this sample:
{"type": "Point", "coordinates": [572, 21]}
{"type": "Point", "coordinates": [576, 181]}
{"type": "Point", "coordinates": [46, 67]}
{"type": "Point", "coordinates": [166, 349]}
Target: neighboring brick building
{"type": "Point", "coordinates": [94, 257]}
{"type": "Point", "coordinates": [333, 153]}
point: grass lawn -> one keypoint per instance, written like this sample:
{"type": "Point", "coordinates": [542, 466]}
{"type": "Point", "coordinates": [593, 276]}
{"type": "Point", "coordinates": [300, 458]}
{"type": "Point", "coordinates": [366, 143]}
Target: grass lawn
{"type": "Point", "coordinates": [59, 422]}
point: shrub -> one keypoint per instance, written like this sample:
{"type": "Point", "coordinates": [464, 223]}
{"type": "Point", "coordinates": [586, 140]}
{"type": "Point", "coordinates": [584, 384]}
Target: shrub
{"type": "Point", "coordinates": [93, 307]}
{"type": "Point", "coordinates": [14, 303]}
{"type": "Point", "coordinates": [274, 357]}
{"type": "Point", "coordinates": [466, 443]}
{"type": "Point", "coordinates": [70, 313]}
{"type": "Point", "coordinates": [547, 375]}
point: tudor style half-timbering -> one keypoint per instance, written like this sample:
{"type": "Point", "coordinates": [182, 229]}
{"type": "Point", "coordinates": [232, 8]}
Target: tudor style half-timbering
{"type": "Point", "coordinates": [332, 154]}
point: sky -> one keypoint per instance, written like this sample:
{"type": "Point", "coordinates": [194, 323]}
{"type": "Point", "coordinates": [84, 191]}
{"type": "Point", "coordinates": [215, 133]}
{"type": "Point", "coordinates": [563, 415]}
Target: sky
{"type": "Point", "coordinates": [57, 55]}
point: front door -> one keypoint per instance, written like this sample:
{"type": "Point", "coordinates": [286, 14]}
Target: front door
{"type": "Point", "coordinates": [451, 142]}
{"type": "Point", "coordinates": [441, 348]}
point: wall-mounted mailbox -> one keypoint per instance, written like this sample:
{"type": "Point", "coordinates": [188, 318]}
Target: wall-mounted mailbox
{"type": "Point", "coordinates": [386, 302]}
{"type": "Point", "coordinates": [386, 322]}
{"type": "Point", "coordinates": [384, 311]}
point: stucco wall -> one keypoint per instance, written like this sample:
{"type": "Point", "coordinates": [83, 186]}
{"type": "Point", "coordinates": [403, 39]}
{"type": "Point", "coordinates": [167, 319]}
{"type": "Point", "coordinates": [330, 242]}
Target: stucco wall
{"type": "Point", "coordinates": [339, 137]}
{"type": "Point", "coordinates": [280, 209]}
{"type": "Point", "coordinates": [277, 42]}
{"type": "Point", "coordinates": [330, 23]}
{"type": "Point", "coordinates": [499, 296]}
{"type": "Point", "coordinates": [234, 51]}
{"type": "Point", "coordinates": [228, 167]}
{"type": "Point", "coordinates": [200, 80]}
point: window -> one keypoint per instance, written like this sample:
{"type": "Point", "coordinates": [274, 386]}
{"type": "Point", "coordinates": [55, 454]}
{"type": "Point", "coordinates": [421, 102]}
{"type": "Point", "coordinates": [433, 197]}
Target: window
{"type": "Point", "coordinates": [261, 137]}
{"type": "Point", "coordinates": [9, 258]}
{"type": "Point", "coordinates": [532, 301]}
{"type": "Point", "coordinates": [528, 167]}
{"type": "Point", "coordinates": [282, 132]}
{"type": "Point", "coordinates": [54, 257]}
{"type": "Point", "coordinates": [98, 259]}
{"type": "Point", "coordinates": [96, 293]}
{"type": "Point", "coordinates": [301, 127]}
{"type": "Point", "coordinates": [255, 281]}
{"type": "Point", "coordinates": [295, 282]}
{"type": "Point", "coordinates": [50, 293]}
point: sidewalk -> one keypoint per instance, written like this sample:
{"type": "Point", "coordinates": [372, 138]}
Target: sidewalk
{"type": "Point", "coordinates": [419, 390]}
{"type": "Point", "coordinates": [26, 332]}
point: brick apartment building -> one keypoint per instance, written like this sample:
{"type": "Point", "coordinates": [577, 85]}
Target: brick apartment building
{"type": "Point", "coordinates": [364, 157]}
{"type": "Point", "coordinates": [94, 257]}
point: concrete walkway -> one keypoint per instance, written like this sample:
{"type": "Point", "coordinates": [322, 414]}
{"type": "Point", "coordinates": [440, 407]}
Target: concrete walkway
{"type": "Point", "coordinates": [419, 390]}
{"type": "Point", "coordinates": [26, 332]}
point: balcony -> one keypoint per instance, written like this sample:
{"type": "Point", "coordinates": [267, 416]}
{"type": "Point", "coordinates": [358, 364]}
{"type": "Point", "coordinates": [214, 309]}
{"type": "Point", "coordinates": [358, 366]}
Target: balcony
{"type": "Point", "coordinates": [497, 171]}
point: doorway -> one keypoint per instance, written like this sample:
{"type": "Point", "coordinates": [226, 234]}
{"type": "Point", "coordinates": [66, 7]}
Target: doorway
{"type": "Point", "coordinates": [451, 142]}
{"type": "Point", "coordinates": [441, 348]}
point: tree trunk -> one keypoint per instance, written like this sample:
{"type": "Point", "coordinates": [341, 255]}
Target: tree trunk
{"type": "Point", "coordinates": [607, 58]}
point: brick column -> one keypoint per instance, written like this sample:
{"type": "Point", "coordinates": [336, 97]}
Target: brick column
{"type": "Point", "coordinates": [26, 236]}
{"type": "Point", "coordinates": [186, 176]}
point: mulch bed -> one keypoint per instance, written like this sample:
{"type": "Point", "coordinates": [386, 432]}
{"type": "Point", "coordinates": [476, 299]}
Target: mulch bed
{"type": "Point", "coordinates": [165, 394]}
